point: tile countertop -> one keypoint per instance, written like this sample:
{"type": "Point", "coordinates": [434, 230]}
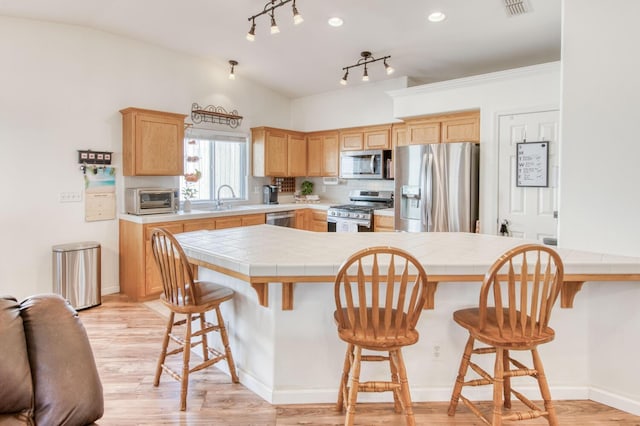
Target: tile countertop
{"type": "Point", "coordinates": [234, 210]}
{"type": "Point", "coordinates": [271, 251]}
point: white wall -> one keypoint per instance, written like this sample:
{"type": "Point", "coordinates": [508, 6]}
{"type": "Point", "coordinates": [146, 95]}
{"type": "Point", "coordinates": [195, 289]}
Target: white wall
{"type": "Point", "coordinates": [599, 178]}
{"type": "Point", "coordinates": [519, 90]}
{"type": "Point", "coordinates": [62, 88]}
{"type": "Point", "coordinates": [351, 106]}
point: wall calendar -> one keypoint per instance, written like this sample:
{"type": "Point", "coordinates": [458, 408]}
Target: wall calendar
{"type": "Point", "coordinates": [532, 168]}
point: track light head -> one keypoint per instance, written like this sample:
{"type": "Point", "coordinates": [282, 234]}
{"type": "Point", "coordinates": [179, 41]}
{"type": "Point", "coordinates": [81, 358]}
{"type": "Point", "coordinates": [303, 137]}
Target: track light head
{"type": "Point", "coordinates": [365, 75]}
{"type": "Point", "coordinates": [232, 74]}
{"type": "Point", "coordinates": [251, 35]}
{"type": "Point", "coordinates": [388, 68]}
{"type": "Point", "coordinates": [344, 78]}
{"type": "Point", "coordinates": [297, 18]}
{"type": "Point", "coordinates": [274, 26]}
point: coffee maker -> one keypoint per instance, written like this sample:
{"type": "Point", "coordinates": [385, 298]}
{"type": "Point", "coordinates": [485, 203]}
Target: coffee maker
{"type": "Point", "coordinates": [269, 194]}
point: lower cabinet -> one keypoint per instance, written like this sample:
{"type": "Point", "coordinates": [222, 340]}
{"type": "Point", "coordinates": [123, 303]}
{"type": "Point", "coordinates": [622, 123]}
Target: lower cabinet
{"type": "Point", "coordinates": [317, 220]}
{"type": "Point", "coordinates": [139, 277]}
{"type": "Point", "coordinates": [383, 223]}
{"type": "Point", "coordinates": [301, 218]}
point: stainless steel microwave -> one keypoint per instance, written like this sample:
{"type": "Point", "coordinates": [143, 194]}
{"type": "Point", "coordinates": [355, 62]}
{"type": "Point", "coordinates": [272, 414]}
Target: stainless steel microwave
{"type": "Point", "coordinates": [372, 164]}
{"type": "Point", "coordinates": [141, 201]}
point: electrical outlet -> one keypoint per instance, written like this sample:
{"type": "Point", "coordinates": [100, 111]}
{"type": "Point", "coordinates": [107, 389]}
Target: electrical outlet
{"type": "Point", "coordinates": [70, 197]}
{"type": "Point", "coordinates": [436, 353]}
{"type": "Point", "coordinates": [324, 188]}
{"type": "Point", "coordinates": [256, 189]}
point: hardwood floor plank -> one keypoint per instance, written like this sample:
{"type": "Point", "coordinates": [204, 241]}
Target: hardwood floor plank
{"type": "Point", "coordinates": [126, 339]}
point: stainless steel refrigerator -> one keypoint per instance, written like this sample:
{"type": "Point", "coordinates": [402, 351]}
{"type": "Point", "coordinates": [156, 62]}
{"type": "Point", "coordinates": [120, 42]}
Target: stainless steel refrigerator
{"type": "Point", "coordinates": [436, 187]}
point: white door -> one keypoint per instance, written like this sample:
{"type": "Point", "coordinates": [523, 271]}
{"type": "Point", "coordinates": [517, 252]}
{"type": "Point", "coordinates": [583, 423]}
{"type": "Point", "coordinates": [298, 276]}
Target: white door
{"type": "Point", "coordinates": [530, 212]}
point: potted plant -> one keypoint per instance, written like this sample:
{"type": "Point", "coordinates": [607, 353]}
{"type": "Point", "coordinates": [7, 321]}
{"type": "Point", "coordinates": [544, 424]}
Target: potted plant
{"type": "Point", "coordinates": [307, 187]}
{"type": "Point", "coordinates": [188, 192]}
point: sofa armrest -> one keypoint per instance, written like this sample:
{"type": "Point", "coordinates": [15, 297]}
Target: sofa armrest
{"type": "Point", "coordinates": [16, 388]}
{"type": "Point", "coordinates": [67, 387]}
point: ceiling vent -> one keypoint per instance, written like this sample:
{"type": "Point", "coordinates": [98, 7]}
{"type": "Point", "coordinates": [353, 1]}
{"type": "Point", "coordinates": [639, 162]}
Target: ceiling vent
{"type": "Point", "coordinates": [516, 7]}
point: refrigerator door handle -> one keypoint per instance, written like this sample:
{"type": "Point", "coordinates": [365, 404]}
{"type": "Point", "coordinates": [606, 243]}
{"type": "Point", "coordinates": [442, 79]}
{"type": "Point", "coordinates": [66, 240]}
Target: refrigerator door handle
{"type": "Point", "coordinates": [425, 181]}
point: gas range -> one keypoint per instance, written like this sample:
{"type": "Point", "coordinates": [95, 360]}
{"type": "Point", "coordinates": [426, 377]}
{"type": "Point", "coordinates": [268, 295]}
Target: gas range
{"type": "Point", "coordinates": [358, 216]}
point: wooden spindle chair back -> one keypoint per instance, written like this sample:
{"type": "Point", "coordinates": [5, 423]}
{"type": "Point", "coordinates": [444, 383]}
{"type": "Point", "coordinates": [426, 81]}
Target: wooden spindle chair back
{"type": "Point", "coordinates": [516, 299]}
{"type": "Point", "coordinates": [175, 271]}
{"type": "Point", "coordinates": [523, 286]}
{"type": "Point", "coordinates": [380, 293]}
{"type": "Point", "coordinates": [185, 296]}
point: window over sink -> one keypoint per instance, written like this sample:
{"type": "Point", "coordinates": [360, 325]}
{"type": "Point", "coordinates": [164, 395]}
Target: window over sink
{"type": "Point", "coordinates": [214, 158]}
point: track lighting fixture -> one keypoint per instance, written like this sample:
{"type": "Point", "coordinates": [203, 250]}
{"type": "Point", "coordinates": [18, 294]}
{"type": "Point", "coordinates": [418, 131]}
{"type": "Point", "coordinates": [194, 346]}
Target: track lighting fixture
{"type": "Point", "coordinates": [366, 59]}
{"type": "Point", "coordinates": [269, 9]}
{"type": "Point", "coordinates": [232, 74]}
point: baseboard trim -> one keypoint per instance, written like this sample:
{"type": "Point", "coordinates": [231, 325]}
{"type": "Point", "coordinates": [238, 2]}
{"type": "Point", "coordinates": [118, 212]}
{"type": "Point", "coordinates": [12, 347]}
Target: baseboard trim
{"type": "Point", "coordinates": [616, 401]}
{"type": "Point", "coordinates": [110, 290]}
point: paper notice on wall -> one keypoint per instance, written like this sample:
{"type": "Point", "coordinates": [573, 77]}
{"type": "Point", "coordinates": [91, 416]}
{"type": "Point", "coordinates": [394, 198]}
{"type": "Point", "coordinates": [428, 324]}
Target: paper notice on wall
{"type": "Point", "coordinates": [100, 197]}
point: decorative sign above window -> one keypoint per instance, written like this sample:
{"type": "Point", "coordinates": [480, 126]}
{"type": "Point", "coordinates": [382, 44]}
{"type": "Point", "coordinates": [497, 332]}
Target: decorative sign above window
{"type": "Point", "coordinates": [532, 167]}
{"type": "Point", "coordinates": [215, 114]}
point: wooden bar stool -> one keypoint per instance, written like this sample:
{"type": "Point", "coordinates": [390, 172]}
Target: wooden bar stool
{"type": "Point", "coordinates": [184, 295]}
{"type": "Point", "coordinates": [380, 293]}
{"type": "Point", "coordinates": [523, 285]}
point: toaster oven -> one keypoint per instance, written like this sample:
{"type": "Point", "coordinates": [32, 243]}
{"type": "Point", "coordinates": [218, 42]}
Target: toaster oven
{"type": "Point", "coordinates": [140, 201]}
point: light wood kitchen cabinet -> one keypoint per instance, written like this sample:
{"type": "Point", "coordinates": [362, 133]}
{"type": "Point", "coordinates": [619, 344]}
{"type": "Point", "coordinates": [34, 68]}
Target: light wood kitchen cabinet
{"type": "Point", "coordinates": [317, 220]}
{"type": "Point", "coordinates": [323, 154]}
{"type": "Point", "coordinates": [383, 223]}
{"type": "Point", "coordinates": [399, 135]}
{"type": "Point", "coordinates": [152, 143]}
{"type": "Point", "coordinates": [278, 152]}
{"type": "Point", "coordinates": [465, 128]}
{"type": "Point", "coordinates": [377, 137]}
{"type": "Point", "coordinates": [351, 140]}
{"type": "Point", "coordinates": [253, 219]}
{"type": "Point", "coordinates": [423, 131]}
{"type": "Point", "coordinates": [139, 278]}
{"type": "Point", "coordinates": [301, 218]}
{"type": "Point", "coordinates": [296, 155]}
{"type": "Point", "coordinates": [200, 224]}
{"type": "Point", "coordinates": [372, 137]}
{"type": "Point", "coordinates": [444, 128]}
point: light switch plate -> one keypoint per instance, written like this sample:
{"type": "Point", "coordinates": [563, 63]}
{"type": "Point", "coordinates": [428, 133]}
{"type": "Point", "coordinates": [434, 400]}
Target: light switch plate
{"type": "Point", "coordinates": [70, 197]}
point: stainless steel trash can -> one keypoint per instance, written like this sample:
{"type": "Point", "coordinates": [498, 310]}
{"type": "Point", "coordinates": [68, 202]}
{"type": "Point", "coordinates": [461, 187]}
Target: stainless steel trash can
{"type": "Point", "coordinates": [76, 273]}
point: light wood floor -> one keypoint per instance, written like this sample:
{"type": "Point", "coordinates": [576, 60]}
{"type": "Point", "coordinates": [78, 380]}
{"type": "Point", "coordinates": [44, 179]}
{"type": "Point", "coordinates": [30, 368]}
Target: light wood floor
{"type": "Point", "coordinates": [126, 339]}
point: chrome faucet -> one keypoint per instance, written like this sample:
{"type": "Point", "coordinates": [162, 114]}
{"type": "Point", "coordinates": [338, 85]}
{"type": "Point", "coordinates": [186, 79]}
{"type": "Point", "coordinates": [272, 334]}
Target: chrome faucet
{"type": "Point", "coordinates": [218, 200]}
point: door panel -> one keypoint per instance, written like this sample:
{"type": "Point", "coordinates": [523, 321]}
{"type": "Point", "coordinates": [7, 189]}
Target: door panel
{"type": "Point", "coordinates": [529, 211]}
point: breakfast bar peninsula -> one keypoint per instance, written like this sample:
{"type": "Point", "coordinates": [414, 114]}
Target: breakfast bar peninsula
{"type": "Point", "coordinates": [281, 320]}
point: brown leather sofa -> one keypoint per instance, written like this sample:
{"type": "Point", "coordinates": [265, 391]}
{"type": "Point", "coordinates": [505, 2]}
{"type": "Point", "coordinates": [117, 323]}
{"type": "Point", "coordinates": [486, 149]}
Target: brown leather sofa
{"type": "Point", "coordinates": [47, 372]}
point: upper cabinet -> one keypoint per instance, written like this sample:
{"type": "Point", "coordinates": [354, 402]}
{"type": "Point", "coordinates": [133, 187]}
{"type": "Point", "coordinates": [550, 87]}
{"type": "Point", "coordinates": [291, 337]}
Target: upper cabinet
{"type": "Point", "coordinates": [296, 154]}
{"type": "Point", "coordinates": [323, 154]}
{"type": "Point", "coordinates": [399, 135]}
{"type": "Point", "coordinates": [371, 137]}
{"type": "Point", "coordinates": [465, 128]}
{"type": "Point", "coordinates": [152, 143]}
{"type": "Point", "coordinates": [423, 131]}
{"type": "Point", "coordinates": [458, 127]}
{"type": "Point", "coordinates": [278, 152]}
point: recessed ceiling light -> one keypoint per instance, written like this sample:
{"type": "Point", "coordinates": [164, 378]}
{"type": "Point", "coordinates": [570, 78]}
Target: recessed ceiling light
{"type": "Point", "coordinates": [437, 17]}
{"type": "Point", "coordinates": [335, 22]}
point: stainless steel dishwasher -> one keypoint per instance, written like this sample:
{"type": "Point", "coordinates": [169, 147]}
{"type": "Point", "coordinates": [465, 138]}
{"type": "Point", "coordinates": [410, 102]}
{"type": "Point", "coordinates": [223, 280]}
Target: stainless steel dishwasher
{"type": "Point", "coordinates": [286, 219]}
